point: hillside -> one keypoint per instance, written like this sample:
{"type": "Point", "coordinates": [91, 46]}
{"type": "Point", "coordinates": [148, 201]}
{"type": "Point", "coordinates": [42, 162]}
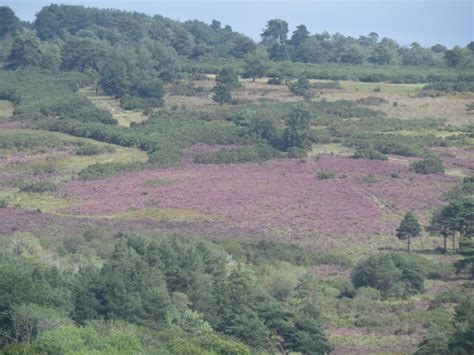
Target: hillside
{"type": "Point", "coordinates": [176, 188]}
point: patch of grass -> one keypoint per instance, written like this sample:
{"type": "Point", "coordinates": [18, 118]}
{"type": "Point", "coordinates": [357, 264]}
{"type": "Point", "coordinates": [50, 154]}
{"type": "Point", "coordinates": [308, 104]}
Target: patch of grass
{"type": "Point", "coordinates": [157, 182]}
{"type": "Point", "coordinates": [45, 202]}
{"type": "Point", "coordinates": [333, 148]}
{"type": "Point", "coordinates": [162, 214]}
{"type": "Point", "coordinates": [6, 110]}
{"type": "Point", "coordinates": [108, 103]}
{"type": "Point", "coordinates": [389, 88]}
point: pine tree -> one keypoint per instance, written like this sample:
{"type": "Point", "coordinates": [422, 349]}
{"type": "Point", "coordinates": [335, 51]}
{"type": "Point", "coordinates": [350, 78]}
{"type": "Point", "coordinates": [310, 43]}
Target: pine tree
{"type": "Point", "coordinates": [408, 228]}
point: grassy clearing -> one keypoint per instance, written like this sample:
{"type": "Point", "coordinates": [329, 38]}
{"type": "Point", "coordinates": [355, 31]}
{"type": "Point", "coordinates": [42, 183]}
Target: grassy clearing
{"type": "Point", "coordinates": [333, 148]}
{"type": "Point", "coordinates": [124, 117]}
{"type": "Point", "coordinates": [46, 202]}
{"type": "Point", "coordinates": [6, 110]}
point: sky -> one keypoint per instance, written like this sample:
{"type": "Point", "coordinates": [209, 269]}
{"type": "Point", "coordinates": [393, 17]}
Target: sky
{"type": "Point", "coordinates": [449, 22]}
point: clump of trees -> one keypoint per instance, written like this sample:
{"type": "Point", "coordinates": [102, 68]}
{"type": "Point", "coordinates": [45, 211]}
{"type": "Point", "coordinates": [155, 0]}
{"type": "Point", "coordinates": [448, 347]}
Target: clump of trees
{"type": "Point", "coordinates": [456, 220]}
{"type": "Point", "coordinates": [186, 296]}
{"type": "Point", "coordinates": [395, 274]}
{"type": "Point", "coordinates": [305, 47]}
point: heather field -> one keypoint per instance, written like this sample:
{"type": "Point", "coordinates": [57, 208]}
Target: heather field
{"type": "Point", "coordinates": [280, 198]}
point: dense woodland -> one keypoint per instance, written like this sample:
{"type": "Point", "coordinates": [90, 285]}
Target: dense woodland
{"type": "Point", "coordinates": [99, 291]}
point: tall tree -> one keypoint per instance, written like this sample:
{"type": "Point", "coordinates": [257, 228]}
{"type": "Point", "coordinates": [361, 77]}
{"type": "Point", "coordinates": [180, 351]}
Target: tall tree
{"type": "Point", "coordinates": [300, 35]}
{"type": "Point", "coordinates": [457, 57]}
{"type": "Point", "coordinates": [255, 65]}
{"type": "Point", "coordinates": [276, 32]}
{"type": "Point", "coordinates": [298, 130]}
{"type": "Point", "coordinates": [222, 94]}
{"type": "Point", "coordinates": [25, 51]}
{"type": "Point", "coordinates": [9, 23]}
{"type": "Point", "coordinates": [408, 228]}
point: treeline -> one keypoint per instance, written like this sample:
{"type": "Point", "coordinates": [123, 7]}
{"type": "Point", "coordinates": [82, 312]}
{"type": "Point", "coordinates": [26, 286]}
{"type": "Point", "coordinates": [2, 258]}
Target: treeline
{"type": "Point", "coordinates": [133, 53]}
{"type": "Point", "coordinates": [305, 47]}
{"type": "Point", "coordinates": [171, 295]}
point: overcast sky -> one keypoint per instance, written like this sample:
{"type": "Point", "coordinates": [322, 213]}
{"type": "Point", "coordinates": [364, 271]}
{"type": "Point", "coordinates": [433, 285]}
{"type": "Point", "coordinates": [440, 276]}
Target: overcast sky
{"type": "Point", "coordinates": [449, 22]}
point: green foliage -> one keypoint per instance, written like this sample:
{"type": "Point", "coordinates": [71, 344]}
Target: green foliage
{"type": "Point", "coordinates": [408, 228]}
{"type": "Point", "coordinates": [302, 87]}
{"type": "Point", "coordinates": [326, 175]}
{"type": "Point", "coordinates": [239, 155]}
{"type": "Point", "coordinates": [429, 165]}
{"type": "Point", "coordinates": [371, 154]}
{"type": "Point", "coordinates": [41, 95]}
{"type": "Point", "coordinates": [73, 339]}
{"type": "Point", "coordinates": [93, 149]}
{"type": "Point", "coordinates": [222, 94]}
{"type": "Point", "coordinates": [9, 23]}
{"type": "Point", "coordinates": [298, 130]}
{"type": "Point", "coordinates": [228, 78]}
{"type": "Point", "coordinates": [37, 186]}
{"type": "Point", "coordinates": [3, 203]}
{"type": "Point", "coordinates": [462, 341]}
{"type": "Point", "coordinates": [102, 170]}
{"type": "Point", "coordinates": [394, 275]}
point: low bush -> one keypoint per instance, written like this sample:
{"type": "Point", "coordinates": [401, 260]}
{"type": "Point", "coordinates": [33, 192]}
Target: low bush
{"type": "Point", "coordinates": [3, 203]}
{"type": "Point", "coordinates": [239, 155]}
{"type": "Point", "coordinates": [371, 154]}
{"type": "Point", "coordinates": [93, 149]}
{"type": "Point", "coordinates": [37, 186]}
{"type": "Point", "coordinates": [296, 153]}
{"type": "Point", "coordinates": [429, 165]}
{"type": "Point", "coordinates": [326, 174]}
{"type": "Point", "coordinates": [372, 101]}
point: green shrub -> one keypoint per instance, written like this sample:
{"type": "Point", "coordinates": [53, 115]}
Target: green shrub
{"type": "Point", "coordinates": [302, 87]}
{"type": "Point", "coordinates": [430, 165]}
{"type": "Point", "coordinates": [394, 275]}
{"type": "Point", "coordinates": [238, 155]}
{"type": "Point", "coordinates": [93, 149]}
{"type": "Point", "coordinates": [368, 293]}
{"type": "Point", "coordinates": [326, 174]}
{"type": "Point", "coordinates": [37, 187]}
{"type": "Point", "coordinates": [296, 153]}
{"type": "Point", "coordinates": [371, 154]}
{"type": "Point", "coordinates": [3, 203]}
